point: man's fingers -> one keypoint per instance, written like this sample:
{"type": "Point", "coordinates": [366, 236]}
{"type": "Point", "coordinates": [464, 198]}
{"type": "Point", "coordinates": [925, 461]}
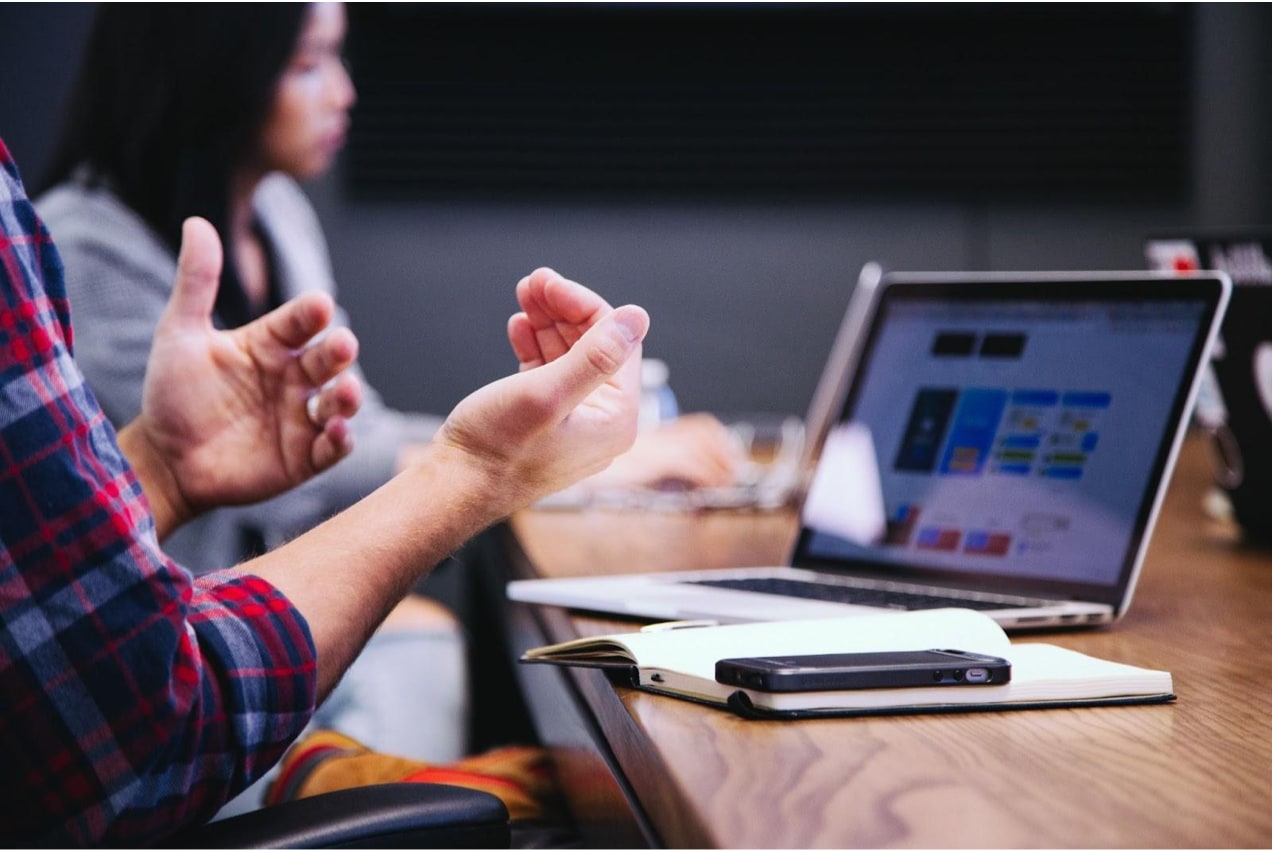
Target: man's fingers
{"type": "Point", "coordinates": [299, 320]}
{"type": "Point", "coordinates": [198, 272]}
{"type": "Point", "coordinates": [524, 344]}
{"type": "Point", "coordinates": [334, 443]}
{"type": "Point", "coordinates": [330, 356]}
{"type": "Point", "coordinates": [548, 297]}
{"type": "Point", "coordinates": [330, 410]}
{"type": "Point", "coordinates": [598, 356]}
{"type": "Point", "coordinates": [559, 310]}
{"type": "Point", "coordinates": [339, 400]}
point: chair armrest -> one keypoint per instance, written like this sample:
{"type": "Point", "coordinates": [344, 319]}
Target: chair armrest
{"type": "Point", "coordinates": [402, 814]}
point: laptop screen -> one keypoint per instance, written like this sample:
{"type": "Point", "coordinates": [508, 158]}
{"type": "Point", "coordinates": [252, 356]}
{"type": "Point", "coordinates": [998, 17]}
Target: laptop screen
{"type": "Point", "coordinates": [1019, 430]}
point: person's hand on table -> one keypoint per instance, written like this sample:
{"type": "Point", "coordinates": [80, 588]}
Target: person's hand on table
{"type": "Point", "coordinates": [693, 451]}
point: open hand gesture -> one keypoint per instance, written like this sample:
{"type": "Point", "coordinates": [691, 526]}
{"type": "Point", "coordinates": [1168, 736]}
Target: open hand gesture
{"type": "Point", "coordinates": [230, 417]}
{"type": "Point", "coordinates": [573, 406]}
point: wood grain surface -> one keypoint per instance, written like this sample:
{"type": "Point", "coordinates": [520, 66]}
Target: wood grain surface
{"type": "Point", "coordinates": [1194, 773]}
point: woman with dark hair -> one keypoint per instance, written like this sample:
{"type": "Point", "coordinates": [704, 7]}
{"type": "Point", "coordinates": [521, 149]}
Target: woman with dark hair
{"type": "Point", "coordinates": [161, 118]}
{"type": "Point", "coordinates": [216, 111]}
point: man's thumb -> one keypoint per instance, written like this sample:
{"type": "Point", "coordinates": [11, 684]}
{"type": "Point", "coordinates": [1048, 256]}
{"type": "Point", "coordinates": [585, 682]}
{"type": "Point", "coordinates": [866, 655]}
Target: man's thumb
{"type": "Point", "coordinates": [198, 271]}
{"type": "Point", "coordinates": [601, 353]}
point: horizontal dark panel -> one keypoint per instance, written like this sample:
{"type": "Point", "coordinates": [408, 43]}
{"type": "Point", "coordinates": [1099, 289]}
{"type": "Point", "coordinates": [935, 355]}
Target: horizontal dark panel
{"type": "Point", "coordinates": [825, 101]}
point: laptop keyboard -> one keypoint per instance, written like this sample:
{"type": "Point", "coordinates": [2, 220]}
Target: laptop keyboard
{"type": "Point", "coordinates": [875, 597]}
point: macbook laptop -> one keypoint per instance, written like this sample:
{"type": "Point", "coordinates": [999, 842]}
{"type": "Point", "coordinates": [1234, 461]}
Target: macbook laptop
{"type": "Point", "coordinates": [1234, 403]}
{"type": "Point", "coordinates": [1021, 429]}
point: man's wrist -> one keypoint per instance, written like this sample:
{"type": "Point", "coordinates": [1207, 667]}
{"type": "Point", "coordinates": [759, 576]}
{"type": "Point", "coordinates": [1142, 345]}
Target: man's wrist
{"type": "Point", "coordinates": [482, 492]}
{"type": "Point", "coordinates": [163, 492]}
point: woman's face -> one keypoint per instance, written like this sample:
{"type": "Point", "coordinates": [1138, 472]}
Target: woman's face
{"type": "Point", "coordinates": [307, 124]}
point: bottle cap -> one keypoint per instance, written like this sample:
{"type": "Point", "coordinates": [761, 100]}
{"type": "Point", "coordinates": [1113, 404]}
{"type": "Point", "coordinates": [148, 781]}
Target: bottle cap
{"type": "Point", "coordinates": [653, 373]}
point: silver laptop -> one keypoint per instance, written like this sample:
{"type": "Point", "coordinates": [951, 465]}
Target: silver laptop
{"type": "Point", "coordinates": [1014, 433]}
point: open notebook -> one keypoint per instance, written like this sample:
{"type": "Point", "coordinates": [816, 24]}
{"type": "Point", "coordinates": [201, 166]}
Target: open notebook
{"type": "Point", "coordinates": [681, 663]}
{"type": "Point", "coordinates": [1021, 429]}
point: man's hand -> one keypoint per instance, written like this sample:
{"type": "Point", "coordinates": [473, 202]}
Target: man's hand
{"type": "Point", "coordinates": [230, 417]}
{"type": "Point", "coordinates": [573, 406]}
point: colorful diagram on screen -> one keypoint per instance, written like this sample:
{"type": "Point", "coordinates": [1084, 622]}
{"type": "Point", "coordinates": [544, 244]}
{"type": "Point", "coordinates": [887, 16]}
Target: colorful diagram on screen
{"type": "Point", "coordinates": [1002, 432]}
{"type": "Point", "coordinates": [904, 528]}
{"type": "Point", "coordinates": [990, 432]}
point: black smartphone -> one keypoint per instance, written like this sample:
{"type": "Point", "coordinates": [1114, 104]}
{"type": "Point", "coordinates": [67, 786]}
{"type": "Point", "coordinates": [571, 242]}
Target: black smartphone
{"type": "Point", "coordinates": [852, 670]}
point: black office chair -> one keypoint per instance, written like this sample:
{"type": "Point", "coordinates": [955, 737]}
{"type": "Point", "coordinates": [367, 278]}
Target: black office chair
{"type": "Point", "coordinates": [402, 814]}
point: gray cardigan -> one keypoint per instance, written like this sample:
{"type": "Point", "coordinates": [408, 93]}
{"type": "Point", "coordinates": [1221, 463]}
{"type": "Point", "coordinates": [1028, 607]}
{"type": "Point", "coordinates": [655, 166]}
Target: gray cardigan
{"type": "Point", "coordinates": [119, 275]}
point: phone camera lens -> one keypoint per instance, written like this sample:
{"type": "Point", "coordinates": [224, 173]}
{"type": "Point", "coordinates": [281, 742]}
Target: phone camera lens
{"type": "Point", "coordinates": [958, 675]}
{"type": "Point", "coordinates": [937, 675]}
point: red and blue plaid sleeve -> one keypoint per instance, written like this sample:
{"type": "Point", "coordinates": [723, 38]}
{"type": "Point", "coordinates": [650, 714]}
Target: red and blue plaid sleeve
{"type": "Point", "coordinates": [133, 700]}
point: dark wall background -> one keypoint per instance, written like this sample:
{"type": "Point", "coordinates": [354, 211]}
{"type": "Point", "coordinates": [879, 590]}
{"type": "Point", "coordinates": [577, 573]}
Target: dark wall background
{"type": "Point", "coordinates": [745, 288]}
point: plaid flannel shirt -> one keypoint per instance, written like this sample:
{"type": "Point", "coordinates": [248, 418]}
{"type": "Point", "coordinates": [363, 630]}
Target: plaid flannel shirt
{"type": "Point", "coordinates": [134, 700]}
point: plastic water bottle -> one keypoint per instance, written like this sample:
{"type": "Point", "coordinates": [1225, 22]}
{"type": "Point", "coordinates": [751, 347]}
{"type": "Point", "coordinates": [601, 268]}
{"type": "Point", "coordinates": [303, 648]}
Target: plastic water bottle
{"type": "Point", "coordinates": [657, 401]}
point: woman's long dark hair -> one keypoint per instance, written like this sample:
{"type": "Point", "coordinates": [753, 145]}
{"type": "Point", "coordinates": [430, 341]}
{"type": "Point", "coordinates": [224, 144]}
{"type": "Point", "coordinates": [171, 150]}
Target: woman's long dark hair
{"type": "Point", "coordinates": [168, 105]}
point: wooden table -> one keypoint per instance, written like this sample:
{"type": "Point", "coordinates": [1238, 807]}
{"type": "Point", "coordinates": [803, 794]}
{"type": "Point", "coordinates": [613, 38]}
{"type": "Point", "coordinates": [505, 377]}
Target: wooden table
{"type": "Point", "coordinates": [662, 771]}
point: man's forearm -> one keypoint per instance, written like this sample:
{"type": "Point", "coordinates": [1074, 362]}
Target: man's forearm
{"type": "Point", "coordinates": [347, 574]}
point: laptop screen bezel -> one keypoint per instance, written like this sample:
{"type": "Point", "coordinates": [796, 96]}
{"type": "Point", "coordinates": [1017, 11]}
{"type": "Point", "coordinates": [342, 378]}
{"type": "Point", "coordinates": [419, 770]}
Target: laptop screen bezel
{"type": "Point", "coordinates": [1210, 289]}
